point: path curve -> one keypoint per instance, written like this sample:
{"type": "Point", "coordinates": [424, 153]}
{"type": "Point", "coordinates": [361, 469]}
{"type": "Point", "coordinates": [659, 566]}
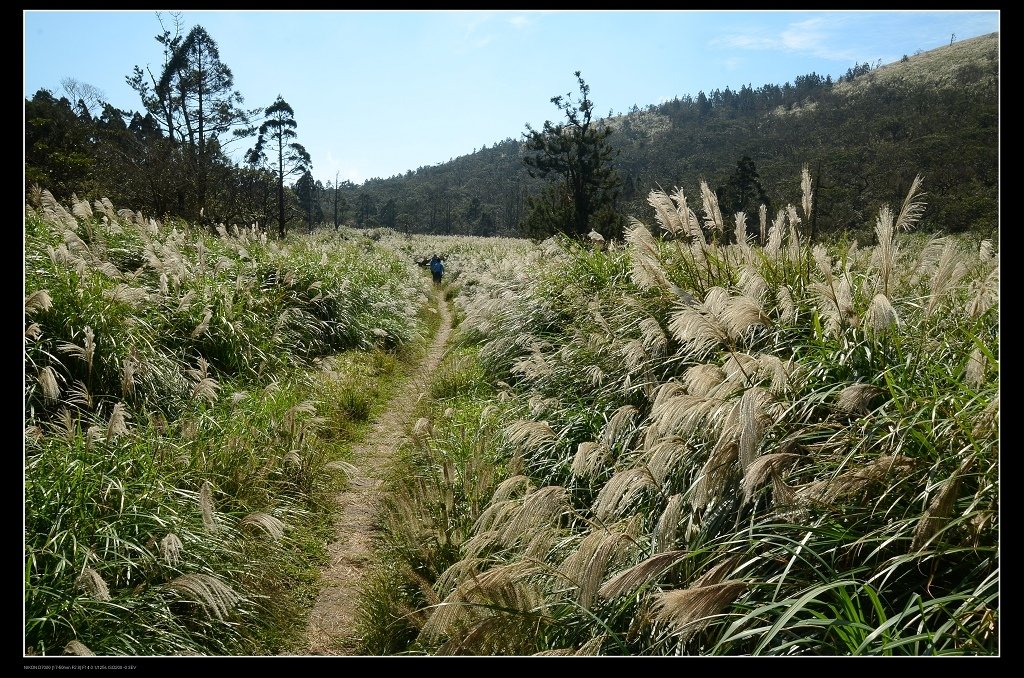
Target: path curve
{"type": "Point", "coordinates": [331, 627]}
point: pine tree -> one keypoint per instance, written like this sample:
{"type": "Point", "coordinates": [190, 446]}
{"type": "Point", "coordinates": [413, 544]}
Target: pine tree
{"type": "Point", "coordinates": [577, 156]}
{"type": "Point", "coordinates": [277, 133]}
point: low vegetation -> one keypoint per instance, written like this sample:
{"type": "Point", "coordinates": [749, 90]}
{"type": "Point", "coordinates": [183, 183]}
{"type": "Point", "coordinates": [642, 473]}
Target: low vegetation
{"type": "Point", "coordinates": [717, 436]}
{"type": "Point", "coordinates": [695, 444]}
{"type": "Point", "coordinates": [189, 400]}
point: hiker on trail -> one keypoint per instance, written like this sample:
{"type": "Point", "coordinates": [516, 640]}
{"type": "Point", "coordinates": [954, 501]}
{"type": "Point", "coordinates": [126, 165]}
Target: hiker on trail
{"type": "Point", "coordinates": [436, 268]}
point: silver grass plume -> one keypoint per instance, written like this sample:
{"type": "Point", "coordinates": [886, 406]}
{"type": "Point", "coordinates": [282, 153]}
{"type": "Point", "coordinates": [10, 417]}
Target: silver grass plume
{"type": "Point", "coordinates": [634, 356]}
{"type": "Point", "coordinates": [696, 327]}
{"type": "Point", "coordinates": [511, 488]}
{"type": "Point", "coordinates": [268, 524]}
{"type": "Point", "coordinates": [663, 457]}
{"type": "Point", "coordinates": [686, 611]}
{"type": "Point", "coordinates": [47, 201]}
{"type": "Point", "coordinates": [940, 508]}
{"type": "Point", "coordinates": [712, 214]}
{"type": "Point", "coordinates": [79, 395]}
{"type": "Point", "coordinates": [740, 371]}
{"type": "Point", "coordinates": [691, 223]}
{"type": "Point", "coordinates": [587, 565]}
{"type": "Point", "coordinates": [805, 186]}
{"type": "Point", "coordinates": [484, 541]}
{"type": "Point", "coordinates": [751, 413]}
{"type": "Point", "coordinates": [742, 313]}
{"type": "Point", "coordinates": [34, 434]}
{"type": "Point", "coordinates": [880, 316]}
{"type": "Point", "coordinates": [84, 352]}
{"type": "Point", "coordinates": [886, 251]}
{"type": "Point", "coordinates": [213, 594]}
{"type": "Point", "coordinates": [590, 459]}
{"type": "Point", "coordinates": [204, 386]}
{"type": "Point", "coordinates": [104, 206]}
{"type": "Point", "coordinates": [206, 507]}
{"type": "Point", "coordinates": [762, 215]}
{"type": "Point", "coordinates": [775, 234]}
{"type": "Point", "coordinates": [503, 587]}
{"type": "Point", "coordinates": [628, 580]}
{"type": "Point", "coordinates": [38, 301]}
{"type": "Point", "coordinates": [985, 250]}
{"type": "Point", "coordinates": [422, 429]}
{"type": "Point", "coordinates": [855, 480]}
{"type": "Point", "coordinates": [76, 647]}
{"type": "Point", "coordinates": [76, 245]}
{"type": "Point", "coordinates": [653, 337]}
{"type": "Point", "coordinates": [823, 261]}
{"type": "Point", "coordinates": [171, 549]}
{"type": "Point", "coordinates": [741, 228]}
{"type": "Point", "coordinates": [913, 206]}
{"type": "Point", "coordinates": [835, 304]}
{"type": "Point", "coordinates": [764, 468]}
{"type": "Point", "coordinates": [621, 490]}
{"type": "Point", "coordinates": [668, 523]}
{"type": "Point", "coordinates": [675, 411]}
{"type": "Point", "coordinates": [713, 477]}
{"type": "Point", "coordinates": [537, 510]}
{"type": "Point", "coordinates": [117, 425]}
{"type": "Point", "coordinates": [793, 245]}
{"type": "Point", "coordinates": [131, 362]}
{"type": "Point", "coordinates": [92, 583]}
{"type": "Point", "coordinates": [622, 418]}
{"type": "Point", "coordinates": [948, 273]}
{"type": "Point", "coordinates": [539, 405]}
{"type": "Point", "coordinates": [786, 305]}
{"type": "Point", "coordinates": [48, 383]}
{"type": "Point", "coordinates": [665, 213]}
{"type": "Point", "coordinates": [204, 324]}
{"type": "Point", "coordinates": [530, 434]}
{"type": "Point", "coordinates": [646, 270]}
{"type": "Point", "coordinates": [856, 398]}
{"type": "Point", "coordinates": [985, 294]}
{"type": "Point", "coordinates": [701, 379]}
{"type": "Point", "coordinates": [974, 373]}
{"type": "Point", "coordinates": [82, 209]}
{"type": "Point", "coordinates": [466, 568]}
{"type": "Point", "coordinates": [753, 285]}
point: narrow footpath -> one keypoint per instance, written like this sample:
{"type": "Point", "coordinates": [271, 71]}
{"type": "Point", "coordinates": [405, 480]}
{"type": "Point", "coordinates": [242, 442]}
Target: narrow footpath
{"type": "Point", "coordinates": [331, 627]}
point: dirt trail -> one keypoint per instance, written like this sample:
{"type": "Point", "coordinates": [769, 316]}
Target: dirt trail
{"type": "Point", "coordinates": [331, 628]}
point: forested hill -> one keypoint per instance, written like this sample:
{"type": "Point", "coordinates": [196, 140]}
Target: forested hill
{"type": "Point", "coordinates": [863, 137]}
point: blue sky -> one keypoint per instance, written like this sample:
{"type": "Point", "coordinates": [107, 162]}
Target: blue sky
{"type": "Point", "coordinates": [376, 93]}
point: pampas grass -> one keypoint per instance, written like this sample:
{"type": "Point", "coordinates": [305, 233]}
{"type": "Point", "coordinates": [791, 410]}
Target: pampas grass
{"type": "Point", "coordinates": [171, 548]}
{"type": "Point", "coordinates": [643, 573]}
{"type": "Point", "coordinates": [92, 583]}
{"type": "Point", "coordinates": [216, 597]}
{"type": "Point", "coordinates": [686, 611]}
{"type": "Point", "coordinates": [206, 507]}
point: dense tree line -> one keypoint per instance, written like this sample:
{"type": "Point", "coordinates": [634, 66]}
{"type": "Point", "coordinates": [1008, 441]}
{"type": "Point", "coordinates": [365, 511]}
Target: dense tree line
{"type": "Point", "coordinates": [864, 138]}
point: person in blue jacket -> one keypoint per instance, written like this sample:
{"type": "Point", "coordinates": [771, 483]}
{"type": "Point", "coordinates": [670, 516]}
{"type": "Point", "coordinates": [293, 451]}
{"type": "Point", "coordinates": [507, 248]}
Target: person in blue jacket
{"type": "Point", "coordinates": [436, 268]}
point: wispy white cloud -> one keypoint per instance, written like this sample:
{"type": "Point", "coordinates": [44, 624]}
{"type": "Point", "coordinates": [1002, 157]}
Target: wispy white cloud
{"type": "Point", "coordinates": [520, 21]}
{"type": "Point", "coordinates": [818, 37]}
{"type": "Point", "coordinates": [732, 63]}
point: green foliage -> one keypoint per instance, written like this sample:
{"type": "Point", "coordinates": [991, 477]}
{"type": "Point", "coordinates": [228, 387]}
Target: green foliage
{"type": "Point", "coordinates": [704, 448]}
{"type": "Point", "coordinates": [177, 431]}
